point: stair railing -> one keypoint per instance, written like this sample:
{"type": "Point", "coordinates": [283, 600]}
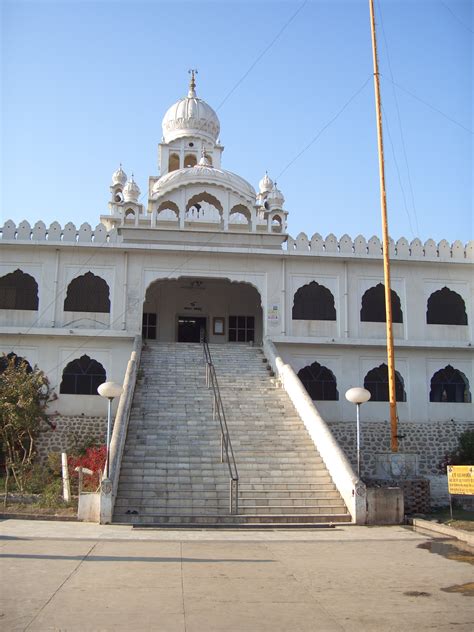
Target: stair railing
{"type": "Point", "coordinates": [227, 452]}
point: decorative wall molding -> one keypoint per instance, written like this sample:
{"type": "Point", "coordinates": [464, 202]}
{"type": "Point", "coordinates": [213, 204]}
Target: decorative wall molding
{"type": "Point", "coordinates": [302, 245]}
{"type": "Point", "coordinates": [69, 234]}
{"type": "Point", "coordinates": [360, 247]}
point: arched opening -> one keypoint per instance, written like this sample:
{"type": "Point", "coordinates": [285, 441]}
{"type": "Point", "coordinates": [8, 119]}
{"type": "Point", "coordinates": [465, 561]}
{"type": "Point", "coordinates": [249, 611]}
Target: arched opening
{"type": "Point", "coordinates": [450, 385]}
{"type": "Point", "coordinates": [239, 216]}
{"type": "Point", "coordinates": [176, 310]}
{"type": "Point", "coordinates": [190, 160]}
{"type": "Point", "coordinates": [277, 224]}
{"type": "Point", "coordinates": [313, 302]}
{"type": "Point", "coordinates": [82, 377]}
{"type": "Point", "coordinates": [118, 197]}
{"type": "Point", "coordinates": [173, 162]}
{"type": "Point", "coordinates": [320, 382]}
{"type": "Point", "coordinates": [167, 211]}
{"type": "Point", "coordinates": [373, 306]}
{"type": "Point", "coordinates": [204, 207]}
{"type": "Point", "coordinates": [18, 290]}
{"type": "Point", "coordinates": [130, 216]}
{"type": "Point", "coordinates": [87, 293]}
{"type": "Point", "coordinates": [16, 361]}
{"type": "Point", "coordinates": [446, 307]}
{"type": "Point", "coordinates": [376, 382]}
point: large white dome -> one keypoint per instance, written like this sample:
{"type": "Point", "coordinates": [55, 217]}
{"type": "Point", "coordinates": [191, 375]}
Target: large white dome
{"type": "Point", "coordinates": [190, 116]}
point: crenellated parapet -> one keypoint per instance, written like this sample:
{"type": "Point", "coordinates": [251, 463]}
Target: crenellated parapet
{"type": "Point", "coordinates": [55, 233]}
{"type": "Point", "coordinates": [361, 247]}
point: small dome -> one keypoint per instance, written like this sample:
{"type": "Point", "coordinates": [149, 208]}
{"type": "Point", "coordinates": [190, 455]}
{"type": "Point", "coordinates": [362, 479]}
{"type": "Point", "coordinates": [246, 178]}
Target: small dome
{"type": "Point", "coordinates": [131, 191]}
{"type": "Point", "coordinates": [266, 184]}
{"type": "Point", "coordinates": [119, 176]}
{"type": "Point", "coordinates": [190, 116]}
{"type": "Point", "coordinates": [275, 198]}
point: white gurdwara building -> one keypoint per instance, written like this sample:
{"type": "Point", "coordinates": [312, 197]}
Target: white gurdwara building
{"type": "Point", "coordinates": [202, 248]}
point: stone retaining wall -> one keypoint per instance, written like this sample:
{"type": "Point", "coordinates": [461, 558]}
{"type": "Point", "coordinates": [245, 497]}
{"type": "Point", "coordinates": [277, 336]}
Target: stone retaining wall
{"type": "Point", "coordinates": [429, 441]}
{"type": "Point", "coordinates": [70, 432]}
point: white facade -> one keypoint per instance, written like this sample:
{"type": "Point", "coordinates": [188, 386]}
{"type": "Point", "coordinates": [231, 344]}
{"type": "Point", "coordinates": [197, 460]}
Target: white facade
{"type": "Point", "coordinates": [206, 244]}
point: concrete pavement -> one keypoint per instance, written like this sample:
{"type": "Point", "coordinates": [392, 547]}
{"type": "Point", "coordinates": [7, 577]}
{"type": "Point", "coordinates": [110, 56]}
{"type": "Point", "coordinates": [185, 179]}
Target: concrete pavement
{"type": "Point", "coordinates": [68, 577]}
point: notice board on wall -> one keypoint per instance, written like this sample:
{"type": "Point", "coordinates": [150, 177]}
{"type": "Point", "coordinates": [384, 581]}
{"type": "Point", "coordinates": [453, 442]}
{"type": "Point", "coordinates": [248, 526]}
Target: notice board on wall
{"type": "Point", "coordinates": [461, 480]}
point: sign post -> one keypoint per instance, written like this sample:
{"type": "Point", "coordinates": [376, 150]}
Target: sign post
{"type": "Point", "coordinates": [460, 482]}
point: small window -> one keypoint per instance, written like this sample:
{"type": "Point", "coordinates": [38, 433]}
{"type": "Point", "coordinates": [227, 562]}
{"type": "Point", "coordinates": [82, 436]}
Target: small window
{"type": "Point", "coordinates": [173, 162]}
{"type": "Point", "coordinates": [18, 290]}
{"type": "Point", "coordinates": [82, 377]}
{"type": "Point", "coordinates": [376, 382]}
{"type": "Point", "coordinates": [446, 307]}
{"type": "Point", "coordinates": [373, 306]}
{"type": "Point", "coordinates": [449, 385]}
{"type": "Point", "coordinates": [149, 326]}
{"type": "Point", "coordinates": [320, 382]}
{"type": "Point", "coordinates": [241, 328]}
{"type": "Point", "coordinates": [87, 293]}
{"type": "Point", "coordinates": [190, 160]}
{"type": "Point", "coordinates": [313, 302]}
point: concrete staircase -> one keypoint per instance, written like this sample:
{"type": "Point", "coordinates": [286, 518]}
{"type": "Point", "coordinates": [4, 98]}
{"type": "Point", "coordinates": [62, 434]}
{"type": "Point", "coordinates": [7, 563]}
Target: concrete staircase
{"type": "Point", "coordinates": [171, 471]}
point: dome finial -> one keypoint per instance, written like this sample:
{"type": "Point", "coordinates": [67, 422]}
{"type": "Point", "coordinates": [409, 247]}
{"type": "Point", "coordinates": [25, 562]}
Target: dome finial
{"type": "Point", "coordinates": [192, 84]}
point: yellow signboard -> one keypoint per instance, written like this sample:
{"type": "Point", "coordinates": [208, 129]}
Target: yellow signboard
{"type": "Point", "coordinates": [461, 479]}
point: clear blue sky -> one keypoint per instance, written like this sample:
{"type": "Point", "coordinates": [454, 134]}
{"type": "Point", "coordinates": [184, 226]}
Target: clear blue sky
{"type": "Point", "coordinates": [85, 86]}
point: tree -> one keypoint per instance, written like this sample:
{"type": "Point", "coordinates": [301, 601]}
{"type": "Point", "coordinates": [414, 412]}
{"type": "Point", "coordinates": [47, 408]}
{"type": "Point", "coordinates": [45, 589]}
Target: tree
{"type": "Point", "coordinates": [24, 395]}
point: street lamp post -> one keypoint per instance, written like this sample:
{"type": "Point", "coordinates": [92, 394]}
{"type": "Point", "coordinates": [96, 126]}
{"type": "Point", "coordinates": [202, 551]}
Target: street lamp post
{"type": "Point", "coordinates": [109, 390]}
{"type": "Point", "coordinates": [358, 396]}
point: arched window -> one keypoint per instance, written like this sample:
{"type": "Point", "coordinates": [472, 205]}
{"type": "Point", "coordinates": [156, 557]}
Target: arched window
{"type": "Point", "coordinates": [173, 162]}
{"type": "Point", "coordinates": [130, 216]}
{"type": "Point", "coordinates": [82, 377]}
{"type": "Point", "coordinates": [449, 385]}
{"type": "Point", "coordinates": [373, 306]}
{"type": "Point", "coordinates": [314, 302]}
{"type": "Point", "coordinates": [190, 160]}
{"type": "Point", "coordinates": [320, 382]}
{"type": "Point", "coordinates": [18, 290]}
{"type": "Point", "coordinates": [87, 293]}
{"type": "Point", "coordinates": [446, 307]}
{"type": "Point", "coordinates": [376, 382]}
{"type": "Point", "coordinates": [17, 362]}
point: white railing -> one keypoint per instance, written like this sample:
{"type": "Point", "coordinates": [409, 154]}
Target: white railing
{"type": "Point", "coordinates": [119, 433]}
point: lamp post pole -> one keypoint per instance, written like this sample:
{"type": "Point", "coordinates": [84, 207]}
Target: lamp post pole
{"type": "Point", "coordinates": [109, 425]}
{"type": "Point", "coordinates": [109, 390]}
{"type": "Point", "coordinates": [358, 437]}
{"type": "Point", "coordinates": [358, 396]}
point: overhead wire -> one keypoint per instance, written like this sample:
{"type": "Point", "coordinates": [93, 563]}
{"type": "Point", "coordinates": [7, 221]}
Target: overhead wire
{"type": "Point", "coordinates": [400, 127]}
{"type": "Point", "coordinates": [387, 127]}
{"type": "Point", "coordinates": [429, 105]}
{"type": "Point", "coordinates": [325, 127]}
{"type": "Point", "coordinates": [456, 17]}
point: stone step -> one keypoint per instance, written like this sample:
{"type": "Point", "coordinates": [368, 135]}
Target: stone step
{"type": "Point", "coordinates": [232, 520]}
{"type": "Point", "coordinates": [171, 469]}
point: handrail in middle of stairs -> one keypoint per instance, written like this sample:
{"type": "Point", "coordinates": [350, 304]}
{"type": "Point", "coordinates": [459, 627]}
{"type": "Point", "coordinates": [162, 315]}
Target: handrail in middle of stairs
{"type": "Point", "coordinates": [218, 411]}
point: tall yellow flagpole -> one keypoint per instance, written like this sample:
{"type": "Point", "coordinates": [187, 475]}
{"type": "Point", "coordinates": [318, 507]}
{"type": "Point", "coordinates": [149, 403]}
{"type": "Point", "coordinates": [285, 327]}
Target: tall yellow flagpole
{"type": "Point", "coordinates": [386, 258]}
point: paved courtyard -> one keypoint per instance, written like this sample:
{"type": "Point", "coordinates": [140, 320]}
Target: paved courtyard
{"type": "Point", "coordinates": [68, 576]}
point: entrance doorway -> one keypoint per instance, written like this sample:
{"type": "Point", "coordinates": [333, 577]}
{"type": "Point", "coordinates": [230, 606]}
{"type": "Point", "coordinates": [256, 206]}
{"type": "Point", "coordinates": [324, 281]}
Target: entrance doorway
{"type": "Point", "coordinates": [230, 311]}
{"type": "Point", "coordinates": [189, 328]}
